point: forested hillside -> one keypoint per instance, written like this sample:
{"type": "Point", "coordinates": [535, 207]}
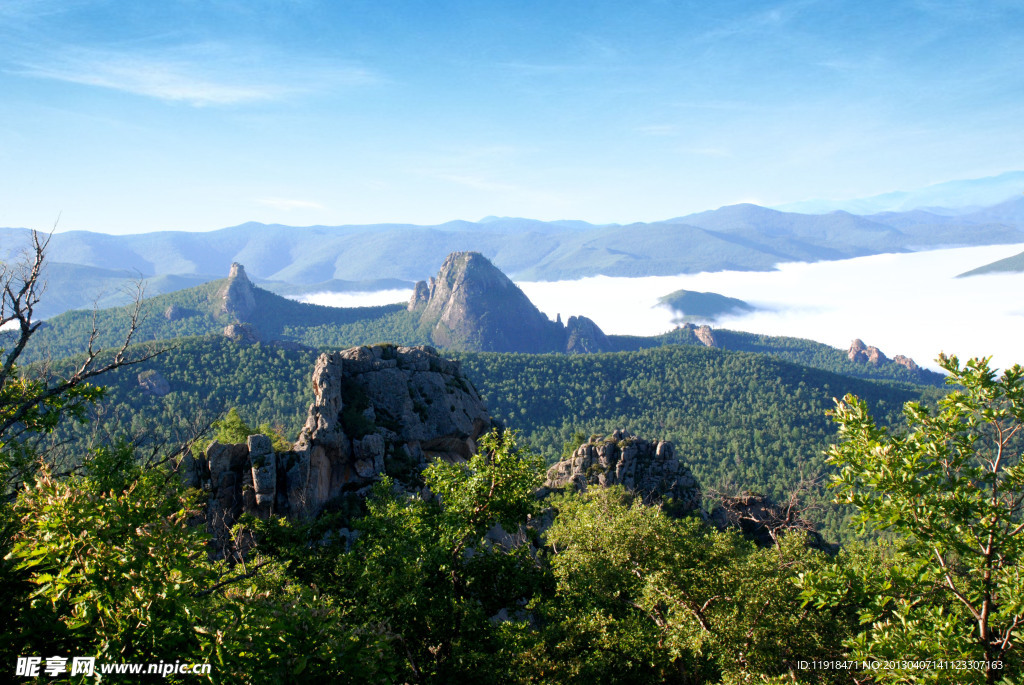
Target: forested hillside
{"type": "Point", "coordinates": [796, 350]}
{"type": "Point", "coordinates": [194, 311]}
{"type": "Point", "coordinates": [198, 311]}
{"type": "Point", "coordinates": [742, 421]}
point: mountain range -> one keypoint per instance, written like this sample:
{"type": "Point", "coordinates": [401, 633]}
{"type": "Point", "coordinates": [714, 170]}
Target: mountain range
{"type": "Point", "coordinates": [90, 267]}
{"type": "Point", "coordinates": [951, 197]}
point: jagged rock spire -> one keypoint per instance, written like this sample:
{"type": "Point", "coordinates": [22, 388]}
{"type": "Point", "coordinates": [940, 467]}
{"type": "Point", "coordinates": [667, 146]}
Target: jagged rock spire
{"type": "Point", "coordinates": [238, 300]}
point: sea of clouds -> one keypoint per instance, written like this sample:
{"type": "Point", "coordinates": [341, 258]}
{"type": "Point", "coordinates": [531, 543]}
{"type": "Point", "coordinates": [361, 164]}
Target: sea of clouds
{"type": "Point", "coordinates": [908, 304]}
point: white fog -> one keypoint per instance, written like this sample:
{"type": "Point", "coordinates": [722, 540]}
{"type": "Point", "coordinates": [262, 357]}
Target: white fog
{"type": "Point", "coordinates": [908, 304]}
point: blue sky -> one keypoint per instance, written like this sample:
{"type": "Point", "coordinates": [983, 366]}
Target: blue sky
{"type": "Point", "coordinates": [194, 115]}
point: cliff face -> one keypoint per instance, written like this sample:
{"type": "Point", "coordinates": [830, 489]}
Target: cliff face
{"type": "Point", "coordinates": [380, 410]}
{"type": "Point", "coordinates": [649, 469]}
{"type": "Point", "coordinates": [472, 305]}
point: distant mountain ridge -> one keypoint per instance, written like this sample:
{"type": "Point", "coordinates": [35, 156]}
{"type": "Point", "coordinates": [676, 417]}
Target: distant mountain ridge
{"type": "Point", "coordinates": [289, 259]}
{"type": "Point", "coordinates": [953, 197]}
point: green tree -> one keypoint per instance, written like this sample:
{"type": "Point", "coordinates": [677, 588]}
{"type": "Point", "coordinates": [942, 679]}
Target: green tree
{"type": "Point", "coordinates": [643, 597]}
{"type": "Point", "coordinates": [110, 560]}
{"type": "Point", "coordinates": [435, 575]}
{"type": "Point", "coordinates": [232, 429]}
{"type": "Point", "coordinates": [950, 488]}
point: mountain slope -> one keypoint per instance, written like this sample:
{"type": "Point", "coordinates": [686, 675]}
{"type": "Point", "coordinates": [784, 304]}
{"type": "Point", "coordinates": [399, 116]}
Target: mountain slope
{"type": "Point", "coordinates": [204, 310]}
{"type": "Point", "coordinates": [471, 305]}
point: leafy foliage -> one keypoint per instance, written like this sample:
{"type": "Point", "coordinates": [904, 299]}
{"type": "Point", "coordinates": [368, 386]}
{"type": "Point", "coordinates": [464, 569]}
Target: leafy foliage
{"type": "Point", "coordinates": [951, 489]}
{"type": "Point", "coordinates": [112, 564]}
{"type": "Point", "coordinates": [84, 555]}
{"type": "Point", "coordinates": [642, 597]}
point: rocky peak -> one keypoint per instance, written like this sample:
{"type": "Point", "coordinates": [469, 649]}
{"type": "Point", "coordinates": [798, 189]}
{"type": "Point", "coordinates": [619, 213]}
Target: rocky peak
{"type": "Point", "coordinates": [583, 335]}
{"type": "Point", "coordinates": [238, 300]}
{"type": "Point", "coordinates": [861, 353]}
{"type": "Point", "coordinates": [704, 334]}
{"type": "Point", "coordinates": [420, 296]}
{"type": "Point", "coordinates": [649, 469]}
{"type": "Point", "coordinates": [474, 306]}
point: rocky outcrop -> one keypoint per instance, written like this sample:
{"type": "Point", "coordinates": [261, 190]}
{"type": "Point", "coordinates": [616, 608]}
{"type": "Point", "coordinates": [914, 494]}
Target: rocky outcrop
{"type": "Point", "coordinates": [381, 410]}
{"type": "Point", "coordinates": [763, 521]}
{"type": "Point", "coordinates": [237, 298]}
{"type": "Point", "coordinates": [906, 362]}
{"type": "Point", "coordinates": [242, 333]}
{"type": "Point", "coordinates": [153, 383]}
{"type": "Point", "coordinates": [649, 469]}
{"type": "Point", "coordinates": [704, 334]}
{"type": "Point", "coordinates": [420, 296]}
{"type": "Point", "coordinates": [865, 354]}
{"type": "Point", "coordinates": [859, 353]}
{"type": "Point", "coordinates": [583, 336]}
{"type": "Point", "coordinates": [176, 313]}
{"type": "Point", "coordinates": [652, 471]}
{"type": "Point", "coordinates": [472, 305]}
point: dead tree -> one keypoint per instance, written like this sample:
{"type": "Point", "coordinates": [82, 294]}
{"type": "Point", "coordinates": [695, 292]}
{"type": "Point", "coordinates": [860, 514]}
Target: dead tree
{"type": "Point", "coordinates": [31, 403]}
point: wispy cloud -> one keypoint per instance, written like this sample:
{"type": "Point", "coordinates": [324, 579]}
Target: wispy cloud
{"type": "Point", "coordinates": [772, 19]}
{"type": "Point", "coordinates": [200, 75]}
{"type": "Point", "coordinates": [287, 204]}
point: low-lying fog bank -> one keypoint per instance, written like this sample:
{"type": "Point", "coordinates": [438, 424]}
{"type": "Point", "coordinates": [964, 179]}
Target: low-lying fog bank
{"type": "Point", "coordinates": [908, 304]}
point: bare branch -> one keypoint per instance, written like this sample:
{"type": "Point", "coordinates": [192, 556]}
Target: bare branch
{"type": "Point", "coordinates": [20, 289]}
